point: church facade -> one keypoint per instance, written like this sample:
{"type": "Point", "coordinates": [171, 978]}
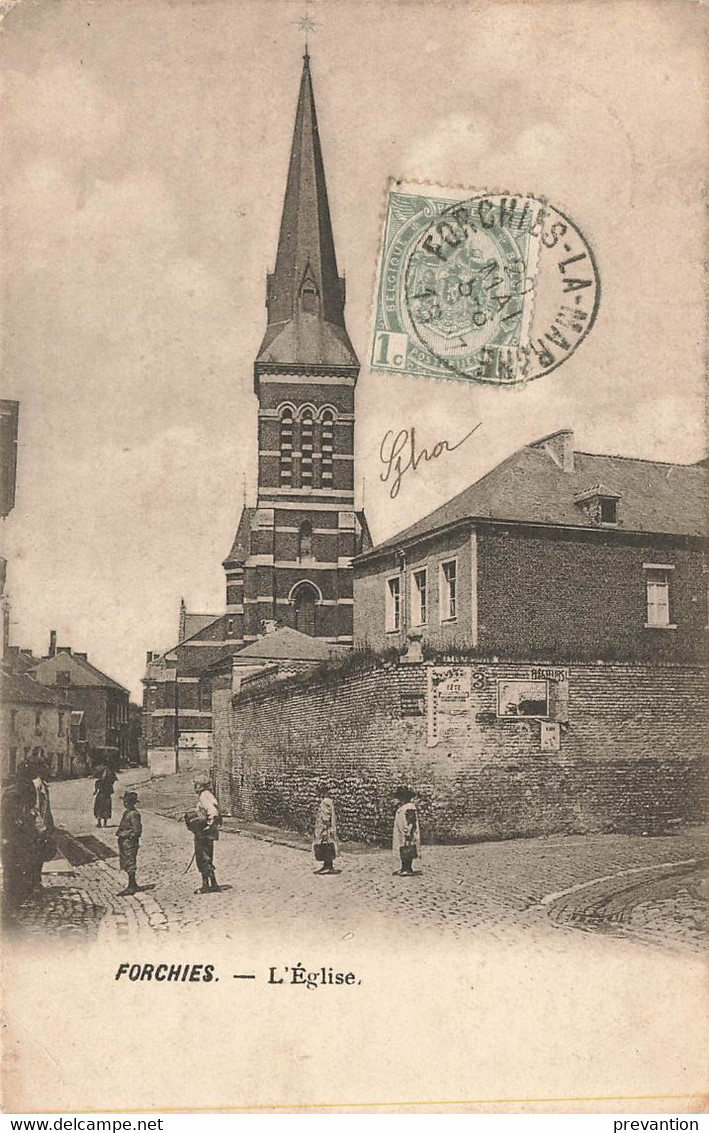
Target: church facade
{"type": "Point", "coordinates": [290, 563]}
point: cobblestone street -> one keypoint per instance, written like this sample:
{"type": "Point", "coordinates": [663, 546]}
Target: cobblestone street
{"type": "Point", "coordinates": [649, 890]}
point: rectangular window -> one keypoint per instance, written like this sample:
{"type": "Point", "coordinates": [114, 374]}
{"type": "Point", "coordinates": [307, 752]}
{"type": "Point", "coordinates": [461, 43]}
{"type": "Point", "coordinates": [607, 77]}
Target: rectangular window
{"type": "Point", "coordinates": [393, 603]}
{"type": "Point", "coordinates": [609, 510]}
{"type": "Point", "coordinates": [60, 729]}
{"type": "Point", "coordinates": [13, 721]}
{"type": "Point", "coordinates": [13, 760]}
{"type": "Point", "coordinates": [449, 594]}
{"type": "Point", "coordinates": [38, 723]}
{"type": "Point", "coordinates": [63, 677]}
{"type": "Point", "coordinates": [419, 603]}
{"type": "Point", "coordinates": [657, 581]}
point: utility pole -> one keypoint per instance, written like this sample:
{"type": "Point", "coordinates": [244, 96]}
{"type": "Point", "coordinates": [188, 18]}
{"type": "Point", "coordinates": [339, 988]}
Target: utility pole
{"type": "Point", "coordinates": [177, 719]}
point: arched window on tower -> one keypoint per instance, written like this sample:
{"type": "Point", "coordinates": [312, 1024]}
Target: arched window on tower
{"type": "Point", "coordinates": [285, 467]}
{"type": "Point", "coordinates": [305, 599]}
{"type": "Point", "coordinates": [306, 449]}
{"type": "Point", "coordinates": [305, 542]}
{"type": "Point", "coordinates": [327, 429]}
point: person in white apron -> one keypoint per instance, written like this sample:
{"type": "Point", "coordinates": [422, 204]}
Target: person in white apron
{"type": "Point", "coordinates": [406, 837]}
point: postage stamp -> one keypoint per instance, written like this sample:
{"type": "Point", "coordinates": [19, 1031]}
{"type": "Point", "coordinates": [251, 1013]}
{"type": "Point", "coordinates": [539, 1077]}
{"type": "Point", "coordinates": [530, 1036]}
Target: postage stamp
{"type": "Point", "coordinates": [492, 287]}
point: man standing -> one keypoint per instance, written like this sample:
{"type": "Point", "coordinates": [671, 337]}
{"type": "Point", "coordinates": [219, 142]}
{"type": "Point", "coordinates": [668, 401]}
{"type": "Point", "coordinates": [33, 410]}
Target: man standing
{"type": "Point", "coordinates": [206, 834]}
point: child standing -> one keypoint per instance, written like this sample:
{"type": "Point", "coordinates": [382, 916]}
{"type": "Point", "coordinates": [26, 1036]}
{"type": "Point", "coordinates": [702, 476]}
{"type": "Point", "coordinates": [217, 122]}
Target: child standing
{"type": "Point", "coordinates": [325, 844]}
{"type": "Point", "coordinates": [128, 834]}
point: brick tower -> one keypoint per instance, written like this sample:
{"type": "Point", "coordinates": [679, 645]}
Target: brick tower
{"type": "Point", "coordinates": [290, 561]}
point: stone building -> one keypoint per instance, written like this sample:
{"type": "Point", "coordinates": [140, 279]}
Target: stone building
{"type": "Point", "coordinates": [36, 723]}
{"type": "Point", "coordinates": [103, 702]}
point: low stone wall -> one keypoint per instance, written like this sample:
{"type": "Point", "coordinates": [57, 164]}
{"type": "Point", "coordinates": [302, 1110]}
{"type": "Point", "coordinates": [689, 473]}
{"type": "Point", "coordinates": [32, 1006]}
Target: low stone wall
{"type": "Point", "coordinates": [631, 740]}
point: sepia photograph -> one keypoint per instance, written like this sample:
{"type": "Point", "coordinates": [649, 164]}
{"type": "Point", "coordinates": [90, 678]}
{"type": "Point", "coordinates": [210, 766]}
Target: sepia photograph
{"type": "Point", "coordinates": [354, 588]}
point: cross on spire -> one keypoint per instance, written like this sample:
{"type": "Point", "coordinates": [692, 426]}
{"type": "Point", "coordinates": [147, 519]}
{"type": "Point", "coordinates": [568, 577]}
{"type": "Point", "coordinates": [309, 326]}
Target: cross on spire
{"type": "Point", "coordinates": [306, 24]}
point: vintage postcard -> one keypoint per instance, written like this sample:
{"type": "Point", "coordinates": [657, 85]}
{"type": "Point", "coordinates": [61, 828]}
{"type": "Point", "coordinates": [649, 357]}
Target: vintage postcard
{"type": "Point", "coordinates": [354, 559]}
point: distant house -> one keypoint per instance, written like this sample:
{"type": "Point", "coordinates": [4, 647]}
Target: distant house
{"type": "Point", "coordinates": [102, 700]}
{"type": "Point", "coordinates": [36, 723]}
{"type": "Point", "coordinates": [554, 553]}
{"type": "Point", "coordinates": [177, 704]}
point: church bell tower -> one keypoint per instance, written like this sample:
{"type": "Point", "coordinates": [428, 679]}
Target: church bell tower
{"type": "Point", "coordinates": [290, 561]}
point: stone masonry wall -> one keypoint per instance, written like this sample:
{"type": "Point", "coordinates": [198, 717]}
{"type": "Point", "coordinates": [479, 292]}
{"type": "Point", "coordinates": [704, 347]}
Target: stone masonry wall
{"type": "Point", "coordinates": [632, 744]}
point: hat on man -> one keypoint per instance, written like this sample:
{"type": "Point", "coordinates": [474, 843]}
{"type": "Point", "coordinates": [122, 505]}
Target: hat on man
{"type": "Point", "coordinates": [130, 797]}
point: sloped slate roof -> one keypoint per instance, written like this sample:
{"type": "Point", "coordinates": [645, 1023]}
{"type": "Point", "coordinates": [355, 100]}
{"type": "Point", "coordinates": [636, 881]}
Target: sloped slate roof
{"type": "Point", "coordinates": [530, 487]}
{"type": "Point", "coordinates": [287, 644]}
{"type": "Point", "coordinates": [19, 689]}
{"type": "Point", "coordinates": [242, 540]}
{"type": "Point", "coordinates": [83, 673]}
{"type": "Point", "coordinates": [307, 340]}
{"type": "Point", "coordinates": [196, 622]}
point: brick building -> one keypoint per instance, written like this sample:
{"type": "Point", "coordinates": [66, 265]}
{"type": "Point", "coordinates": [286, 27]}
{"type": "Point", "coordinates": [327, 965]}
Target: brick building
{"type": "Point", "coordinates": [290, 562]}
{"type": "Point", "coordinates": [291, 558]}
{"type": "Point", "coordinates": [177, 711]}
{"type": "Point", "coordinates": [536, 664]}
{"type": "Point", "coordinates": [103, 702]}
{"type": "Point", "coordinates": [554, 553]}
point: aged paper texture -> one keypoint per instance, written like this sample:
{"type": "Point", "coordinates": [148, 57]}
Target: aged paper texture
{"type": "Point", "coordinates": [393, 799]}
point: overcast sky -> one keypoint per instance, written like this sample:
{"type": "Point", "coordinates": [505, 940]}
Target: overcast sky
{"type": "Point", "coordinates": [145, 152]}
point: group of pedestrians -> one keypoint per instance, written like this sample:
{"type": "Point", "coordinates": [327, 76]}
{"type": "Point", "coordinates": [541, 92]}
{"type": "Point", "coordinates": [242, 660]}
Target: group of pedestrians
{"type": "Point", "coordinates": [204, 820]}
{"type": "Point", "coordinates": [406, 835]}
{"type": "Point", "coordinates": [28, 831]}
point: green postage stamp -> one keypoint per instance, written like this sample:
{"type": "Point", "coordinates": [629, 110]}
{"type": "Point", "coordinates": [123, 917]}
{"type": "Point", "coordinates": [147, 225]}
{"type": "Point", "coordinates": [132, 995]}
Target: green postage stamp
{"type": "Point", "coordinates": [491, 287]}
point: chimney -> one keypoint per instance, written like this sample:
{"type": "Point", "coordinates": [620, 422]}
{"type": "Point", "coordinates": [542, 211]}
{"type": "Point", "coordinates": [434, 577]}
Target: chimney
{"type": "Point", "coordinates": [81, 656]}
{"type": "Point", "coordinates": [560, 447]}
{"type": "Point", "coordinates": [64, 649]}
{"type": "Point", "coordinates": [52, 642]}
{"type": "Point", "coordinates": [148, 657]}
{"type": "Point", "coordinates": [269, 625]}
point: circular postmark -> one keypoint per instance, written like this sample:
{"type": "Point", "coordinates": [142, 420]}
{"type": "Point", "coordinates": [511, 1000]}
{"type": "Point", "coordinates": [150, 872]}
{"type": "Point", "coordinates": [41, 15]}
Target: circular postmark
{"type": "Point", "coordinates": [498, 289]}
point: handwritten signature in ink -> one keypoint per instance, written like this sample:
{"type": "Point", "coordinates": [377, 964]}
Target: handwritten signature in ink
{"type": "Point", "coordinates": [400, 454]}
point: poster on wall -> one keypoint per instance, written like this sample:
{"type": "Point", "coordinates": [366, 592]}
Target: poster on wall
{"type": "Point", "coordinates": [448, 701]}
{"type": "Point", "coordinates": [527, 699]}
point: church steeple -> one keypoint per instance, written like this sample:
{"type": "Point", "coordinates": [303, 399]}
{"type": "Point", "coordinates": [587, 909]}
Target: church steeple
{"type": "Point", "coordinates": [305, 294]}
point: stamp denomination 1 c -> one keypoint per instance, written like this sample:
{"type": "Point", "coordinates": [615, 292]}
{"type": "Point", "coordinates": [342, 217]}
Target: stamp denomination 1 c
{"type": "Point", "coordinates": [492, 288]}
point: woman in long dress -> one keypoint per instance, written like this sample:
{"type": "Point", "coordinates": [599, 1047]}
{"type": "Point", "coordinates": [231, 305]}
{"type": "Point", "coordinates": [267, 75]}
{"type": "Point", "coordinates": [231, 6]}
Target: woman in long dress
{"type": "Point", "coordinates": [325, 844]}
{"type": "Point", "coordinates": [103, 789]}
{"type": "Point", "coordinates": [406, 837]}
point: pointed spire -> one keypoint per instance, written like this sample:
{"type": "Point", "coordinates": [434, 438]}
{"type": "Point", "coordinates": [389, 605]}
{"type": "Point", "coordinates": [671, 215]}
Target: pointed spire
{"type": "Point", "coordinates": [305, 289]}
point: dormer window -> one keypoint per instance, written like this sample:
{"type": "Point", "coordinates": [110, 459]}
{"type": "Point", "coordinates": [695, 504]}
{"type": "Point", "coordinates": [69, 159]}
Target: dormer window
{"type": "Point", "coordinates": [600, 505]}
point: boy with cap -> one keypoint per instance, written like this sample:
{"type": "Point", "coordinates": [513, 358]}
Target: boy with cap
{"type": "Point", "coordinates": [128, 834]}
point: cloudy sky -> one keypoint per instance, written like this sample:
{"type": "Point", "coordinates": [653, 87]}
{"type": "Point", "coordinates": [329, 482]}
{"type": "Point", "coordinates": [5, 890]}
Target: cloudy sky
{"type": "Point", "coordinates": [145, 148]}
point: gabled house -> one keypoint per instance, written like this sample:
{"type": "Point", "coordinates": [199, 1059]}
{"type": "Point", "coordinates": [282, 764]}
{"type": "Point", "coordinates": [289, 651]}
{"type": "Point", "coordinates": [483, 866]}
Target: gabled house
{"type": "Point", "coordinates": [103, 701]}
{"type": "Point", "coordinates": [556, 554]}
{"type": "Point", "coordinates": [36, 723]}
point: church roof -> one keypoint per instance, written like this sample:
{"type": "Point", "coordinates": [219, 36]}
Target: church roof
{"type": "Point", "coordinates": [298, 332]}
{"type": "Point", "coordinates": [287, 644]}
